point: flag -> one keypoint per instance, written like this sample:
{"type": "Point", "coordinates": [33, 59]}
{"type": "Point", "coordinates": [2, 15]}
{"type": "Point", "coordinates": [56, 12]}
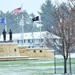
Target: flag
{"type": "Point", "coordinates": [17, 10]}
{"type": "Point", "coordinates": [35, 18]}
{"type": "Point", "coordinates": [2, 20]}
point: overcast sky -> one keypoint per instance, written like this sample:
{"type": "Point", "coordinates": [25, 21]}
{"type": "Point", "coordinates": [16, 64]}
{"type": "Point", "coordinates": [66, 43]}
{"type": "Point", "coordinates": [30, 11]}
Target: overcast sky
{"type": "Point", "coordinates": [31, 6]}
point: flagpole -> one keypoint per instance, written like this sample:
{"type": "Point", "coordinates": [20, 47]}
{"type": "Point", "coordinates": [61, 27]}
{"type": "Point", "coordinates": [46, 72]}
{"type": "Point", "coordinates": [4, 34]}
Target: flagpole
{"type": "Point", "coordinates": [22, 29]}
{"type": "Point", "coordinates": [5, 24]}
{"type": "Point", "coordinates": [33, 34]}
{"type": "Point", "coordinates": [40, 36]}
{"type": "Point", "coordinates": [34, 19]}
{"type": "Point", "coordinates": [22, 21]}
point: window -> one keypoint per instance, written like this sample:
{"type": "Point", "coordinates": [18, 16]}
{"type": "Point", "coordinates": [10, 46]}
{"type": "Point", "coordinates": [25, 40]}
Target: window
{"type": "Point", "coordinates": [24, 40]}
{"type": "Point", "coordinates": [28, 40]}
{"type": "Point", "coordinates": [28, 46]}
{"type": "Point", "coordinates": [41, 40]}
{"type": "Point", "coordinates": [32, 40]}
{"type": "Point", "coordinates": [17, 41]}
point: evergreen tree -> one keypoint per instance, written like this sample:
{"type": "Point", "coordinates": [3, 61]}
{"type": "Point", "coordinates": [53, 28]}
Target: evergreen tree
{"type": "Point", "coordinates": [13, 22]}
{"type": "Point", "coordinates": [47, 19]}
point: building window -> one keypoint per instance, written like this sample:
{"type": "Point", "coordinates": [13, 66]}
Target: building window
{"type": "Point", "coordinates": [28, 40]}
{"type": "Point", "coordinates": [24, 40]}
{"type": "Point", "coordinates": [31, 40]}
{"type": "Point", "coordinates": [41, 40]}
{"type": "Point", "coordinates": [17, 41]}
{"type": "Point", "coordinates": [40, 51]}
{"type": "Point", "coordinates": [28, 46]}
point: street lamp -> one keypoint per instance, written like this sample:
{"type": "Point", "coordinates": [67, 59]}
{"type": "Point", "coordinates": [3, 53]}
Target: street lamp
{"type": "Point", "coordinates": [54, 63]}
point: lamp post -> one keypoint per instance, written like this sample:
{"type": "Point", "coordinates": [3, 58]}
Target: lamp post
{"type": "Point", "coordinates": [54, 63]}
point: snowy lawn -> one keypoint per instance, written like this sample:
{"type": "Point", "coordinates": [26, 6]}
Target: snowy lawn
{"type": "Point", "coordinates": [33, 67]}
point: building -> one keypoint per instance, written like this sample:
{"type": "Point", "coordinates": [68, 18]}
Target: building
{"type": "Point", "coordinates": [26, 46]}
{"type": "Point", "coordinates": [11, 51]}
{"type": "Point", "coordinates": [31, 40]}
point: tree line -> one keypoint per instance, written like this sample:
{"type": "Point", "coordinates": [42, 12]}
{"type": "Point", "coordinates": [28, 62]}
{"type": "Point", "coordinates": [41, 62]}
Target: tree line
{"type": "Point", "coordinates": [58, 19]}
{"type": "Point", "coordinates": [13, 20]}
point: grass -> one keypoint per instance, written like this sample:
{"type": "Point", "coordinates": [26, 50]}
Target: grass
{"type": "Point", "coordinates": [33, 67]}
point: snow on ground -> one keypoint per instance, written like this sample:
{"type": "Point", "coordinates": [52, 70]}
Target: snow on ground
{"type": "Point", "coordinates": [60, 56]}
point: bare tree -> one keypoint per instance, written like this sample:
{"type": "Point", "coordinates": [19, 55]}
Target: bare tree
{"type": "Point", "coordinates": [65, 29]}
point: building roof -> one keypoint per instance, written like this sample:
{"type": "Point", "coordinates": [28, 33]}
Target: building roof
{"type": "Point", "coordinates": [29, 35]}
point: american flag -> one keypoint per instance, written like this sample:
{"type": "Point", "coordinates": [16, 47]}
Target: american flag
{"type": "Point", "coordinates": [17, 10]}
